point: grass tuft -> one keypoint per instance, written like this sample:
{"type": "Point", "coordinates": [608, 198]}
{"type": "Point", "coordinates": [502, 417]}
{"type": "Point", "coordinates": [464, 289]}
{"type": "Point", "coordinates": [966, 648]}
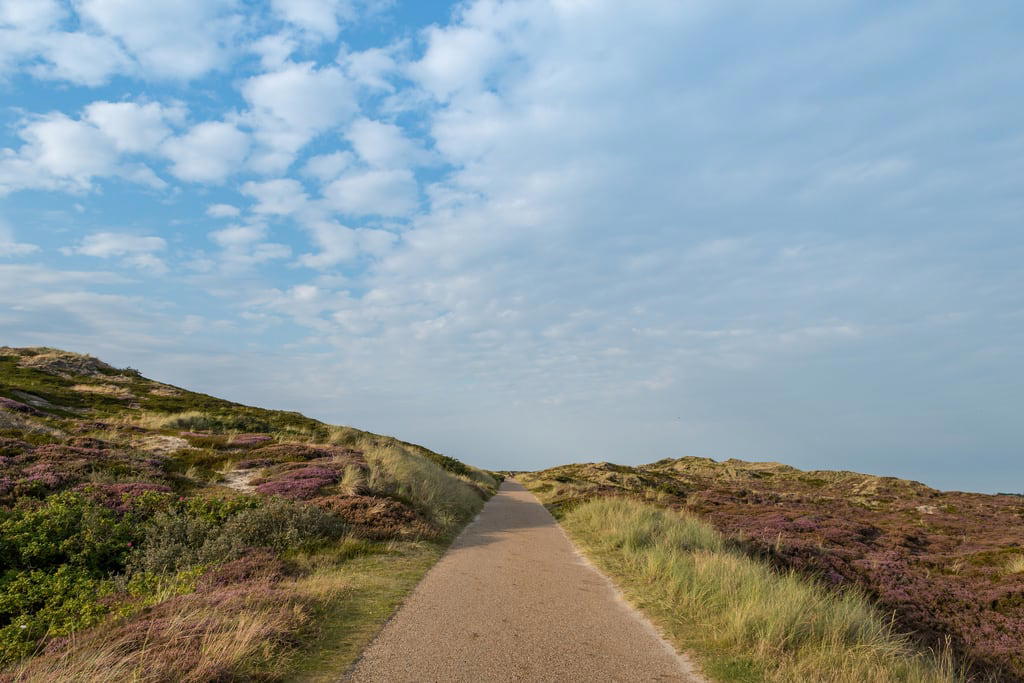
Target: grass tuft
{"type": "Point", "coordinates": [742, 619]}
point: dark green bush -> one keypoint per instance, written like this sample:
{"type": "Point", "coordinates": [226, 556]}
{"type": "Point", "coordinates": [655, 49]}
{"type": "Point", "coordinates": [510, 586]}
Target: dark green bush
{"type": "Point", "coordinates": [39, 603]}
{"type": "Point", "coordinates": [65, 528]}
{"type": "Point", "coordinates": [206, 532]}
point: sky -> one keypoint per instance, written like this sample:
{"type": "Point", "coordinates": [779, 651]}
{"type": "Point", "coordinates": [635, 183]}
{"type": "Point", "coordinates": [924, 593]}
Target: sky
{"type": "Point", "coordinates": [531, 232]}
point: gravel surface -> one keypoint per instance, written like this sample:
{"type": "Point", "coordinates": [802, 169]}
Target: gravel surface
{"type": "Point", "coordinates": [513, 601]}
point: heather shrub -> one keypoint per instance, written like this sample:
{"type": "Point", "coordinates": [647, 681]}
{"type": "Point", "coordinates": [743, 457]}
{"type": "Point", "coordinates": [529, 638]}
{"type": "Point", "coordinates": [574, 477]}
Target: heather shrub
{"type": "Point", "coordinates": [209, 422]}
{"type": "Point", "coordinates": [300, 483]}
{"type": "Point", "coordinates": [203, 532]}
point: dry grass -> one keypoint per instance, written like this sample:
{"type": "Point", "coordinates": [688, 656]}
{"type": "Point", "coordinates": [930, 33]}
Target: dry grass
{"type": "Point", "coordinates": [742, 619]}
{"type": "Point", "coordinates": [236, 634]}
{"type": "Point", "coordinates": [104, 390]}
{"type": "Point", "coordinates": [448, 500]}
{"type": "Point", "coordinates": [1015, 565]}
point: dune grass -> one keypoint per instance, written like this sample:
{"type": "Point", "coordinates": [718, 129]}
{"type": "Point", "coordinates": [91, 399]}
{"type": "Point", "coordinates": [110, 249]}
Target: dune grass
{"type": "Point", "coordinates": [743, 620]}
{"type": "Point", "coordinates": [449, 499]}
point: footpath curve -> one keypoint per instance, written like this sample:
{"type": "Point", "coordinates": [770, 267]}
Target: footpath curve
{"type": "Point", "coordinates": [512, 600]}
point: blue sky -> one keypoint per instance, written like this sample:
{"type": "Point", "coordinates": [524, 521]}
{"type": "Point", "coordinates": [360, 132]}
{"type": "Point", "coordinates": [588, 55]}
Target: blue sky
{"type": "Point", "coordinates": [533, 232]}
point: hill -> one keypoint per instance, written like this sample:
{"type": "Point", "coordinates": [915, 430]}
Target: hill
{"type": "Point", "coordinates": [151, 532]}
{"type": "Point", "coordinates": [947, 565]}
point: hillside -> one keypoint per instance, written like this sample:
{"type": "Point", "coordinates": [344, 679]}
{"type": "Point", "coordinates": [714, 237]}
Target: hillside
{"type": "Point", "coordinates": [151, 532]}
{"type": "Point", "coordinates": [946, 565]}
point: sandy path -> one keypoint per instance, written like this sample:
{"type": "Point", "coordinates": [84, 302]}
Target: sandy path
{"type": "Point", "coordinates": [512, 601]}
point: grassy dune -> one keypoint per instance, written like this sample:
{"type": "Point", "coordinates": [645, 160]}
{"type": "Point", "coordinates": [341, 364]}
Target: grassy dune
{"type": "Point", "coordinates": [745, 621]}
{"type": "Point", "coordinates": [151, 533]}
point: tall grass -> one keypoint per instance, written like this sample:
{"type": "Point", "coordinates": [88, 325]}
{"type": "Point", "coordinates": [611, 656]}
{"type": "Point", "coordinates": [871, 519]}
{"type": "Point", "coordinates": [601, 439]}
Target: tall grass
{"type": "Point", "coordinates": [744, 620]}
{"type": "Point", "coordinates": [192, 643]}
{"type": "Point", "coordinates": [448, 500]}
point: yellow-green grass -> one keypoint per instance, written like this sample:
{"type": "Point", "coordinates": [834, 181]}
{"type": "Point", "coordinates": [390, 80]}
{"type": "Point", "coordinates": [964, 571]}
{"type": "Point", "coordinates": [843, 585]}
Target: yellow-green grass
{"type": "Point", "coordinates": [742, 620]}
{"type": "Point", "coordinates": [353, 601]}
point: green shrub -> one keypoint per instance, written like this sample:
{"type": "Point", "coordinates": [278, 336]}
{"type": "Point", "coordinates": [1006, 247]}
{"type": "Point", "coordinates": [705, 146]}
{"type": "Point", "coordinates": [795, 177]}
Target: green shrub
{"type": "Point", "coordinates": [220, 530]}
{"type": "Point", "coordinates": [39, 603]}
{"type": "Point", "coordinates": [66, 528]}
{"type": "Point", "coordinates": [210, 422]}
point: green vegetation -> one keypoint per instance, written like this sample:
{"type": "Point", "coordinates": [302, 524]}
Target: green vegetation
{"type": "Point", "coordinates": [744, 621]}
{"type": "Point", "coordinates": [149, 532]}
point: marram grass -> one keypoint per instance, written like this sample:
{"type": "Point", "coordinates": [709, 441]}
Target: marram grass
{"type": "Point", "coordinates": [741, 619]}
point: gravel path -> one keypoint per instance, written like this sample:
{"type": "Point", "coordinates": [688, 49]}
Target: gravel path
{"type": "Point", "coordinates": [513, 601]}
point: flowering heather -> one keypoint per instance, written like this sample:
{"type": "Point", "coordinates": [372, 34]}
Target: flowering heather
{"type": "Point", "coordinates": [255, 463]}
{"type": "Point", "coordinates": [12, 447]}
{"type": "Point", "coordinates": [120, 497]}
{"type": "Point", "coordinates": [379, 518]}
{"type": "Point", "coordinates": [44, 474]}
{"type": "Point", "coordinates": [245, 440]}
{"type": "Point", "coordinates": [293, 452]}
{"type": "Point", "coordinates": [18, 407]}
{"type": "Point", "coordinates": [301, 483]}
{"type": "Point", "coordinates": [935, 560]}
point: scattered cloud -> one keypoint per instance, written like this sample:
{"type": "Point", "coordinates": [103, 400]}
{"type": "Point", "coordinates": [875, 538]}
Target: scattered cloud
{"type": "Point", "coordinates": [10, 247]}
{"type": "Point", "coordinates": [134, 250]}
{"type": "Point", "coordinates": [384, 145]}
{"type": "Point", "coordinates": [208, 153]}
{"type": "Point", "coordinates": [565, 214]}
{"type": "Point", "coordinates": [222, 211]}
{"type": "Point", "coordinates": [374, 192]}
{"type": "Point", "coordinates": [291, 105]}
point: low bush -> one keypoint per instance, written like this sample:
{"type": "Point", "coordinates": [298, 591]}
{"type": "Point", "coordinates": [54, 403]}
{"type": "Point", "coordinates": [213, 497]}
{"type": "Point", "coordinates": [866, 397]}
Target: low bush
{"type": "Point", "coordinates": [202, 533]}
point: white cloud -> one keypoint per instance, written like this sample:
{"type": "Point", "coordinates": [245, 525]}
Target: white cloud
{"type": "Point", "coordinates": [59, 153]}
{"type": "Point", "coordinates": [457, 58]}
{"type": "Point", "coordinates": [169, 38]}
{"type": "Point", "coordinates": [321, 18]}
{"type": "Point", "coordinates": [274, 50]}
{"type": "Point", "coordinates": [107, 244]}
{"type": "Point", "coordinates": [10, 247]}
{"type": "Point", "coordinates": [328, 166]}
{"type": "Point", "coordinates": [69, 154]}
{"type": "Point", "coordinates": [132, 126]}
{"type": "Point", "coordinates": [384, 144]}
{"type": "Point", "coordinates": [239, 235]}
{"type": "Point", "coordinates": [31, 15]}
{"type": "Point", "coordinates": [70, 148]}
{"type": "Point", "coordinates": [29, 36]}
{"type": "Point", "coordinates": [281, 197]}
{"type": "Point", "coordinates": [337, 243]}
{"type": "Point", "coordinates": [374, 192]}
{"type": "Point", "coordinates": [134, 250]}
{"type": "Point", "coordinates": [209, 152]}
{"type": "Point", "coordinates": [371, 68]}
{"type": "Point", "coordinates": [222, 211]}
{"type": "Point", "coordinates": [292, 105]}
{"type": "Point", "coordinates": [81, 58]}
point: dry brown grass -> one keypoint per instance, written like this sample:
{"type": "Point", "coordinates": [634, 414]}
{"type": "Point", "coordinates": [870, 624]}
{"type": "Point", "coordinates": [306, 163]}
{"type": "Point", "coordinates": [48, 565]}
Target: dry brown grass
{"type": "Point", "coordinates": [232, 632]}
